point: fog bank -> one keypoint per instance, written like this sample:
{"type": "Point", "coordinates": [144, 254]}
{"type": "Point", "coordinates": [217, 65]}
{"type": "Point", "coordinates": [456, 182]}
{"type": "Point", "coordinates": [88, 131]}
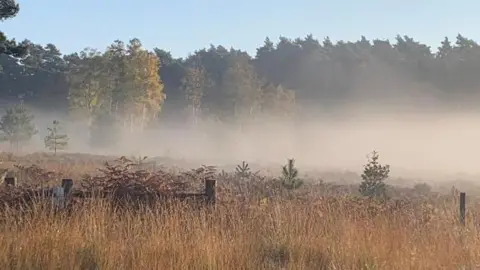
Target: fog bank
{"type": "Point", "coordinates": [416, 141]}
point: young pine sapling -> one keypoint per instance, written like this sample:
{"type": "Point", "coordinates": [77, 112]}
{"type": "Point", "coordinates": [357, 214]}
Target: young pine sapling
{"type": "Point", "coordinates": [374, 176]}
{"type": "Point", "coordinates": [243, 170]}
{"type": "Point", "coordinates": [289, 177]}
{"type": "Point", "coordinates": [54, 140]}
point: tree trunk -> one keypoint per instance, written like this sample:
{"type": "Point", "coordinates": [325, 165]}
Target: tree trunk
{"type": "Point", "coordinates": [144, 111]}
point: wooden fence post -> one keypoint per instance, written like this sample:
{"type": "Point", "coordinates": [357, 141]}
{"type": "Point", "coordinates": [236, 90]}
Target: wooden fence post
{"type": "Point", "coordinates": [10, 181]}
{"type": "Point", "coordinates": [210, 191]}
{"type": "Point", "coordinates": [58, 197]}
{"type": "Point", "coordinates": [462, 208]}
{"type": "Point", "coordinates": [67, 185]}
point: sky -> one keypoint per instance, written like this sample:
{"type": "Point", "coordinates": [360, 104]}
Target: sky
{"type": "Point", "coordinates": [183, 26]}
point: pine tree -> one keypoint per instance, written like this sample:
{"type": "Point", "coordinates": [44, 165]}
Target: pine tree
{"type": "Point", "coordinates": [445, 49]}
{"type": "Point", "coordinates": [9, 9]}
{"type": "Point", "coordinates": [243, 170]}
{"type": "Point", "coordinates": [55, 141]}
{"type": "Point", "coordinates": [17, 125]}
{"type": "Point", "coordinates": [289, 177]}
{"type": "Point", "coordinates": [374, 176]}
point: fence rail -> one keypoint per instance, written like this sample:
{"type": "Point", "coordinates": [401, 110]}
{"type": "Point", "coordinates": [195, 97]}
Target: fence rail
{"type": "Point", "coordinates": [64, 192]}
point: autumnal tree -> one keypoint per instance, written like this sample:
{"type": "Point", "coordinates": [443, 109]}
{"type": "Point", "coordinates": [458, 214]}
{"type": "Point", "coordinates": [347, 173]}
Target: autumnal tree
{"type": "Point", "coordinates": [55, 140]}
{"type": "Point", "coordinates": [17, 125]}
{"type": "Point", "coordinates": [144, 95]}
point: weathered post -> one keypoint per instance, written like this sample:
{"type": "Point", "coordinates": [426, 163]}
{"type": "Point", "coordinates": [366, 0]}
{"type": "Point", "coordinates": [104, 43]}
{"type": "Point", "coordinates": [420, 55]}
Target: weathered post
{"type": "Point", "coordinates": [210, 191]}
{"type": "Point", "coordinates": [58, 197]}
{"type": "Point", "coordinates": [67, 185]}
{"type": "Point", "coordinates": [10, 181]}
{"type": "Point", "coordinates": [462, 208]}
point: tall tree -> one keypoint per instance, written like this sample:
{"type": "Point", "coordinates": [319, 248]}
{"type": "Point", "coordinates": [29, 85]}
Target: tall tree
{"type": "Point", "coordinates": [144, 87]}
{"type": "Point", "coordinates": [17, 125]}
{"type": "Point", "coordinates": [42, 77]}
{"type": "Point", "coordinates": [115, 57]}
{"type": "Point", "coordinates": [88, 81]}
{"type": "Point", "coordinates": [172, 71]}
{"type": "Point", "coordinates": [445, 49]}
{"type": "Point", "coordinates": [9, 9]}
{"type": "Point", "coordinates": [194, 85]}
{"type": "Point", "coordinates": [244, 88]}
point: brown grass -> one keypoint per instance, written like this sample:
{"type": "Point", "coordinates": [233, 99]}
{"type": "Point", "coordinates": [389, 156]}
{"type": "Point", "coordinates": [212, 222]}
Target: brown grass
{"type": "Point", "coordinates": [279, 235]}
{"type": "Point", "coordinates": [302, 229]}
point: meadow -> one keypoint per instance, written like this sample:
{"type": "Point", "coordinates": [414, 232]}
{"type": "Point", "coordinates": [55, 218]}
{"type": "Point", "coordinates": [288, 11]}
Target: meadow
{"type": "Point", "coordinates": [256, 223]}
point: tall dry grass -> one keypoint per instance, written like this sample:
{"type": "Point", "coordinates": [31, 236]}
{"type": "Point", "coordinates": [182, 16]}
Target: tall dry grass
{"type": "Point", "coordinates": [284, 234]}
{"type": "Point", "coordinates": [315, 227]}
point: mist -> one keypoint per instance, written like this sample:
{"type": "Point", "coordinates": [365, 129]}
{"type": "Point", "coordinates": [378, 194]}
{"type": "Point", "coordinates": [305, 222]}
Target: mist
{"type": "Point", "coordinates": [427, 140]}
{"type": "Point", "coordinates": [417, 109]}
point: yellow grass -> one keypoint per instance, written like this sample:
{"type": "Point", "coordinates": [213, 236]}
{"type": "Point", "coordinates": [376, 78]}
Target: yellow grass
{"type": "Point", "coordinates": [280, 235]}
{"type": "Point", "coordinates": [289, 232]}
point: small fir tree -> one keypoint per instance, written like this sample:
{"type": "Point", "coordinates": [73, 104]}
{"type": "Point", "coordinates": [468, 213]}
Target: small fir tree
{"type": "Point", "coordinates": [374, 176]}
{"type": "Point", "coordinates": [54, 140]}
{"type": "Point", "coordinates": [243, 170]}
{"type": "Point", "coordinates": [289, 177]}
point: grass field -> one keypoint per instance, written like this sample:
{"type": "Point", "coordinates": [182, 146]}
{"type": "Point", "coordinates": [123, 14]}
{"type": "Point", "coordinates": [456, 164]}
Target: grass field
{"type": "Point", "coordinates": [307, 228]}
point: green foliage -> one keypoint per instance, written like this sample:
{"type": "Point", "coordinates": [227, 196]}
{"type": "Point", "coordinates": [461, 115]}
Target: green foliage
{"type": "Point", "coordinates": [123, 81]}
{"type": "Point", "coordinates": [289, 177]}
{"type": "Point", "coordinates": [285, 78]}
{"type": "Point", "coordinates": [374, 176]}
{"type": "Point", "coordinates": [88, 83]}
{"type": "Point", "coordinates": [243, 170]}
{"type": "Point", "coordinates": [54, 140]}
{"type": "Point", "coordinates": [194, 84]}
{"type": "Point", "coordinates": [9, 9]}
{"type": "Point", "coordinates": [243, 88]}
{"type": "Point", "coordinates": [17, 125]}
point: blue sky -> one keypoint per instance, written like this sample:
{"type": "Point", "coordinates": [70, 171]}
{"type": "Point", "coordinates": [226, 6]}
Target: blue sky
{"type": "Point", "coordinates": [182, 26]}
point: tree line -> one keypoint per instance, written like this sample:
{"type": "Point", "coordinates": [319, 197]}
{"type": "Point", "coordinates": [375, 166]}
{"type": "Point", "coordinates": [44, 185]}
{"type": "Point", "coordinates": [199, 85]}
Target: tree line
{"type": "Point", "coordinates": [137, 88]}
